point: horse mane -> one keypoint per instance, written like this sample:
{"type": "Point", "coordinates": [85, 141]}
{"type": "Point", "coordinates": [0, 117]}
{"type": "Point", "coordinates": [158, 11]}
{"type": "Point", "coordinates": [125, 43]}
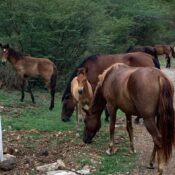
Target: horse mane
{"type": "Point", "coordinates": [107, 71]}
{"type": "Point", "coordinates": [15, 54]}
{"type": "Point", "coordinates": [67, 90]}
{"type": "Point", "coordinates": [129, 49]}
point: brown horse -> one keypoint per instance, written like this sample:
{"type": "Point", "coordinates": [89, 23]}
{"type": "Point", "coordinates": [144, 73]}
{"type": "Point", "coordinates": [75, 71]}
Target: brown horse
{"type": "Point", "coordinates": [96, 64]}
{"type": "Point", "coordinates": [27, 66]}
{"type": "Point", "coordinates": [82, 94]}
{"type": "Point", "coordinates": [167, 50]}
{"type": "Point", "coordinates": [126, 88]}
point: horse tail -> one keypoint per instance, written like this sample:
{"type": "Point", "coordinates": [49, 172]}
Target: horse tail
{"type": "Point", "coordinates": [153, 52]}
{"type": "Point", "coordinates": [172, 51]}
{"type": "Point", "coordinates": [166, 117]}
{"type": "Point", "coordinates": [53, 81]}
{"type": "Point", "coordinates": [130, 49]}
{"type": "Point", "coordinates": [155, 59]}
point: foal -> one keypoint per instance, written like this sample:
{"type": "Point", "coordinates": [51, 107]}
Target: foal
{"type": "Point", "coordinates": [82, 94]}
{"type": "Point", "coordinates": [27, 66]}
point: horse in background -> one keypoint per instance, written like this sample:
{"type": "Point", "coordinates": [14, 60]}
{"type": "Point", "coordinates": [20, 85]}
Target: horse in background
{"type": "Point", "coordinates": [27, 67]}
{"type": "Point", "coordinates": [167, 50]}
{"type": "Point", "coordinates": [96, 64]}
{"type": "Point", "coordinates": [126, 88]}
{"type": "Point", "coordinates": [82, 94]}
{"type": "Point", "coordinates": [146, 49]}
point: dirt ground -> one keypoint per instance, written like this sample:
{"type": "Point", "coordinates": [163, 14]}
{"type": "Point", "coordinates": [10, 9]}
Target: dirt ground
{"type": "Point", "coordinates": [33, 150]}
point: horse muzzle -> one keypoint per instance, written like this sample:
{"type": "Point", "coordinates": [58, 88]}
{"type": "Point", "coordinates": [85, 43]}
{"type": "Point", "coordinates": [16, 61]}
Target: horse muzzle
{"type": "Point", "coordinates": [3, 63]}
{"type": "Point", "coordinates": [80, 91]}
{"type": "Point", "coordinates": [88, 137]}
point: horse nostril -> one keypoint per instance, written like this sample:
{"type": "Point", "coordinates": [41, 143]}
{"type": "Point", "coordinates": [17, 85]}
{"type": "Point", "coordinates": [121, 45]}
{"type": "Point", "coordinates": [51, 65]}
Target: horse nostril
{"type": "Point", "coordinates": [80, 91]}
{"type": "Point", "coordinates": [3, 63]}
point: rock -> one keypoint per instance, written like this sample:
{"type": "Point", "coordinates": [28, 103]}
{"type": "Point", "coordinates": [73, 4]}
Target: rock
{"type": "Point", "coordinates": [52, 166]}
{"type": "Point", "coordinates": [43, 153]}
{"type": "Point", "coordinates": [8, 150]}
{"type": "Point", "coordinates": [8, 163]}
{"type": "Point", "coordinates": [61, 172]}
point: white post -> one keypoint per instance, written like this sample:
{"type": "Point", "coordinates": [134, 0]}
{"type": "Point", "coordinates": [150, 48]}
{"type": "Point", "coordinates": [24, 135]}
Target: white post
{"type": "Point", "coordinates": [1, 146]}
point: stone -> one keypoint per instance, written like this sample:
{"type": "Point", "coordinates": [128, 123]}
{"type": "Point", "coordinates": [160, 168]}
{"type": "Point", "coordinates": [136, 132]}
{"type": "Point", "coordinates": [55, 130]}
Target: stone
{"type": "Point", "coordinates": [52, 166]}
{"type": "Point", "coordinates": [8, 163]}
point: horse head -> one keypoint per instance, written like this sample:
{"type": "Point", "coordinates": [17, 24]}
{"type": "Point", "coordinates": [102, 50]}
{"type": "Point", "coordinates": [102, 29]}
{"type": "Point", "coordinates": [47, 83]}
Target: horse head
{"type": "Point", "coordinates": [67, 108]}
{"type": "Point", "coordinates": [82, 79]}
{"type": "Point", "coordinates": [92, 126]}
{"type": "Point", "coordinates": [5, 53]}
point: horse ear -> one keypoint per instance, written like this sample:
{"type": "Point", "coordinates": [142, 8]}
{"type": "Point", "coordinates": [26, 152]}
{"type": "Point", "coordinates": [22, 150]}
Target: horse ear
{"type": "Point", "coordinates": [0, 45]}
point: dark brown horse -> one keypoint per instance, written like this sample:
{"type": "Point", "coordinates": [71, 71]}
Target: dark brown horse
{"type": "Point", "coordinates": [96, 65]}
{"type": "Point", "coordinates": [126, 88]}
{"type": "Point", "coordinates": [146, 49]}
{"type": "Point", "coordinates": [27, 66]}
{"type": "Point", "coordinates": [167, 50]}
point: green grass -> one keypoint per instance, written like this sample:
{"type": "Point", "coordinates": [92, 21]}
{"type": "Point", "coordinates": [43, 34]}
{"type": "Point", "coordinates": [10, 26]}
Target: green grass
{"type": "Point", "coordinates": [26, 116]}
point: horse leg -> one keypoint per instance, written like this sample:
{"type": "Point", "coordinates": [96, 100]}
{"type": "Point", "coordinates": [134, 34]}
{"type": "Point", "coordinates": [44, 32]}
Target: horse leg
{"type": "Point", "coordinates": [161, 163]}
{"type": "Point", "coordinates": [22, 90]}
{"type": "Point", "coordinates": [106, 115]}
{"type": "Point", "coordinates": [130, 131]}
{"type": "Point", "coordinates": [153, 130]}
{"type": "Point", "coordinates": [112, 112]}
{"type": "Point", "coordinates": [153, 156]}
{"type": "Point", "coordinates": [168, 65]}
{"type": "Point", "coordinates": [136, 121]}
{"type": "Point", "coordinates": [30, 92]}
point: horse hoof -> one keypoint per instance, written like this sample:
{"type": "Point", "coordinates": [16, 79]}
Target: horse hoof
{"type": "Point", "coordinates": [133, 151]}
{"type": "Point", "coordinates": [151, 166]}
{"type": "Point", "coordinates": [50, 108]}
{"type": "Point", "coordinates": [111, 151]}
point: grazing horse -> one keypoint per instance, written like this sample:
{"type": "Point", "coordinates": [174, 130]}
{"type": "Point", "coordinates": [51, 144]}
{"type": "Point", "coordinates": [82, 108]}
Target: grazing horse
{"type": "Point", "coordinates": [126, 88]}
{"type": "Point", "coordinates": [96, 64]}
{"type": "Point", "coordinates": [27, 66]}
{"type": "Point", "coordinates": [82, 94]}
{"type": "Point", "coordinates": [147, 49]}
{"type": "Point", "coordinates": [167, 50]}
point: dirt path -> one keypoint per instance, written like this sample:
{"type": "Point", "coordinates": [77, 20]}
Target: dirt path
{"type": "Point", "coordinates": [144, 145]}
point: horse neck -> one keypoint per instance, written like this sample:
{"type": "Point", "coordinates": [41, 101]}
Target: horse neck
{"type": "Point", "coordinates": [12, 60]}
{"type": "Point", "coordinates": [99, 102]}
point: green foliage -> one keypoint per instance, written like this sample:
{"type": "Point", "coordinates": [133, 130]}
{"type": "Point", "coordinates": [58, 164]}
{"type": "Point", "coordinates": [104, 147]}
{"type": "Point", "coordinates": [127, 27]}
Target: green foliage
{"type": "Point", "coordinates": [67, 31]}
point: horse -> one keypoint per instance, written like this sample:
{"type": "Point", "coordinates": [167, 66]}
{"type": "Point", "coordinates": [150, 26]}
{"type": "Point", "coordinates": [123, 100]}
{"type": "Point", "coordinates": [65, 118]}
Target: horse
{"type": "Point", "coordinates": [166, 50]}
{"type": "Point", "coordinates": [82, 94]}
{"type": "Point", "coordinates": [147, 49]}
{"type": "Point", "coordinates": [27, 66]}
{"type": "Point", "coordinates": [126, 88]}
{"type": "Point", "coordinates": [96, 64]}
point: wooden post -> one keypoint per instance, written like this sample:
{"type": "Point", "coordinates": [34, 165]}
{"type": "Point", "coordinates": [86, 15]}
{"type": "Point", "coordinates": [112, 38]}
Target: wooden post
{"type": "Point", "coordinates": [1, 145]}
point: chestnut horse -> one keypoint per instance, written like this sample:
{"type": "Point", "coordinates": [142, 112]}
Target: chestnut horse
{"type": "Point", "coordinates": [96, 64]}
{"type": "Point", "coordinates": [168, 51]}
{"type": "Point", "coordinates": [126, 88]}
{"type": "Point", "coordinates": [27, 66]}
{"type": "Point", "coordinates": [82, 94]}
